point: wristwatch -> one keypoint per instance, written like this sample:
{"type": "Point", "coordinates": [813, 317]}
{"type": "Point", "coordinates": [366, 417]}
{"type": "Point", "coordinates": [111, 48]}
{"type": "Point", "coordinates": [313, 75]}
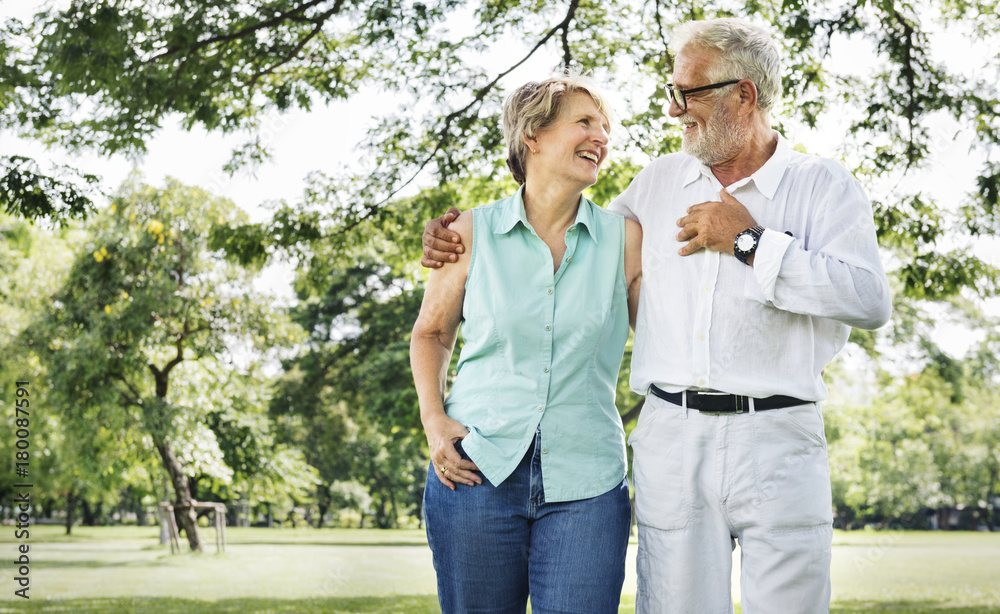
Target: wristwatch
{"type": "Point", "coordinates": [746, 243]}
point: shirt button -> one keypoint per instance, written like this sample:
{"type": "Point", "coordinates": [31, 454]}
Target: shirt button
{"type": "Point", "coordinates": [701, 382]}
{"type": "Point", "coordinates": [707, 289]}
{"type": "Point", "coordinates": [545, 450]}
{"type": "Point", "coordinates": [548, 291]}
{"type": "Point", "coordinates": [701, 337]}
{"type": "Point", "coordinates": [541, 408]}
{"type": "Point", "coordinates": [569, 259]}
{"type": "Point", "coordinates": [548, 327]}
{"type": "Point", "coordinates": [545, 369]}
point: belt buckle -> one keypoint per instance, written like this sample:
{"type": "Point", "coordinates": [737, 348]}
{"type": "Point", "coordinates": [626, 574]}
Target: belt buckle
{"type": "Point", "coordinates": [742, 404]}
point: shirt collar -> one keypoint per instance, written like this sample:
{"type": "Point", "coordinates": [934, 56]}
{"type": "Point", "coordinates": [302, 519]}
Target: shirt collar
{"type": "Point", "coordinates": [514, 213]}
{"type": "Point", "coordinates": [766, 178]}
{"type": "Point", "coordinates": [695, 170]}
{"type": "Point", "coordinates": [769, 176]}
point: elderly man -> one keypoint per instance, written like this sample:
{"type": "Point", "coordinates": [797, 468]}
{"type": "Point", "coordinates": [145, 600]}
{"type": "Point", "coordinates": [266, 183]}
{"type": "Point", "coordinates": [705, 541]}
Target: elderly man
{"type": "Point", "coordinates": [774, 259]}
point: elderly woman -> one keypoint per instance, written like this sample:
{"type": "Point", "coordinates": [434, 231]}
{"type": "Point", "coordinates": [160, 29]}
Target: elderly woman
{"type": "Point", "coordinates": [526, 493]}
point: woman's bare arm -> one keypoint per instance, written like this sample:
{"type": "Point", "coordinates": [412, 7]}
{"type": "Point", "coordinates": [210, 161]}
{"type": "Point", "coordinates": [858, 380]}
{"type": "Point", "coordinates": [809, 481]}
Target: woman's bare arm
{"type": "Point", "coordinates": [633, 267]}
{"type": "Point", "coordinates": [431, 346]}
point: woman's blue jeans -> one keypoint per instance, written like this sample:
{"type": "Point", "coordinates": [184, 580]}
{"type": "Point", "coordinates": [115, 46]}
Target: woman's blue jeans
{"type": "Point", "coordinates": [494, 546]}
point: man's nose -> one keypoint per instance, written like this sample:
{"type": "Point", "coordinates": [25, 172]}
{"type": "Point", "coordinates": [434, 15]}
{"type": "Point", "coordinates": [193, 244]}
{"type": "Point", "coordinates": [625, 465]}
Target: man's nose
{"type": "Point", "coordinates": [674, 110]}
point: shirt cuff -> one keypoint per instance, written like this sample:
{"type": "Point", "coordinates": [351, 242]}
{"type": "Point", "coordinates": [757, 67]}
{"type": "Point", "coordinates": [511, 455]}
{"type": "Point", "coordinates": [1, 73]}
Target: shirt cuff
{"type": "Point", "coordinates": [767, 259]}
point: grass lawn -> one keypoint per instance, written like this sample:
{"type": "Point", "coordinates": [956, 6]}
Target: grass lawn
{"type": "Point", "coordinates": [121, 570]}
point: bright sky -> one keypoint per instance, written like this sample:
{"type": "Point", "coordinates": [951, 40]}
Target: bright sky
{"type": "Point", "coordinates": [325, 139]}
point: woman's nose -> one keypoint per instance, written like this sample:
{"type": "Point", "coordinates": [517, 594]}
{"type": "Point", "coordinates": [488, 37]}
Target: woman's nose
{"type": "Point", "coordinates": [601, 136]}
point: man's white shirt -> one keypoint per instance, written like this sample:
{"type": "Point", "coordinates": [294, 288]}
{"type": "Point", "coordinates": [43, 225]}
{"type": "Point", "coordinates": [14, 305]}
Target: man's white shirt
{"type": "Point", "coordinates": [708, 321]}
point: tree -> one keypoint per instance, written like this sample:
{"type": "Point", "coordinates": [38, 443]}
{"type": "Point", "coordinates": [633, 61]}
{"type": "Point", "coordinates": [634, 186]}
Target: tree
{"type": "Point", "coordinates": [349, 496]}
{"type": "Point", "coordinates": [347, 399]}
{"type": "Point", "coordinates": [882, 461]}
{"type": "Point", "coordinates": [263, 469]}
{"type": "Point", "coordinates": [145, 317]}
{"type": "Point", "coordinates": [975, 470]}
{"type": "Point", "coordinates": [81, 471]}
{"type": "Point", "coordinates": [224, 65]}
{"type": "Point", "coordinates": [58, 194]}
{"type": "Point", "coordinates": [927, 441]}
{"type": "Point", "coordinates": [104, 75]}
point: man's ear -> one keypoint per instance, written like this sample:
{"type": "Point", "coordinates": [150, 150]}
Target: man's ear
{"type": "Point", "coordinates": [748, 96]}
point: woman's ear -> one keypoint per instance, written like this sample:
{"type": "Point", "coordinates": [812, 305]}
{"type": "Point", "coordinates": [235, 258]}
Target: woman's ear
{"type": "Point", "coordinates": [531, 142]}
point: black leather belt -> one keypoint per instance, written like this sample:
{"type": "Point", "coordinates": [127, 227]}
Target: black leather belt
{"type": "Point", "coordinates": [722, 403]}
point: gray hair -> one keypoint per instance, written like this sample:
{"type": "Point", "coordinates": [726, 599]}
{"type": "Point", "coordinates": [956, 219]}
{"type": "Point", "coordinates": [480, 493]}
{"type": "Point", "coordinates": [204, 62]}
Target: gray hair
{"type": "Point", "coordinates": [535, 106]}
{"type": "Point", "coordinates": [745, 52]}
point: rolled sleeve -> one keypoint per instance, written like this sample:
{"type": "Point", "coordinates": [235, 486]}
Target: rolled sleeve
{"type": "Point", "coordinates": [837, 272]}
{"type": "Point", "coordinates": [767, 260]}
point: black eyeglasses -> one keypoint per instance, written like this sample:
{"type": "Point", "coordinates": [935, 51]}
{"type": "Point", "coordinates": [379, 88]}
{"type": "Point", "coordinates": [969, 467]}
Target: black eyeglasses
{"type": "Point", "coordinates": [680, 96]}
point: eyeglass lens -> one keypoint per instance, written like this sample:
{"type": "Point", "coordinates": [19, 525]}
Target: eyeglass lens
{"type": "Point", "coordinates": [678, 96]}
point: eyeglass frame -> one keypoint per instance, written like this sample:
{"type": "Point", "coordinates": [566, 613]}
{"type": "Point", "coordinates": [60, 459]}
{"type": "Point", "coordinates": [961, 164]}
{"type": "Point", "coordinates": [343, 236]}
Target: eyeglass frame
{"type": "Point", "coordinates": [683, 93]}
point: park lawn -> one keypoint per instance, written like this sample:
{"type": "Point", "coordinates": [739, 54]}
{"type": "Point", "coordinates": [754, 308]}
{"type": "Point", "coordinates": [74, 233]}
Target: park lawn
{"type": "Point", "coordinates": [112, 570]}
{"type": "Point", "coordinates": [940, 569]}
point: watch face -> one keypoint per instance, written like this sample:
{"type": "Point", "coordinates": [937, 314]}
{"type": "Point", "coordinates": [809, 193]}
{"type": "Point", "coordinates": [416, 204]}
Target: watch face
{"type": "Point", "coordinates": [745, 242]}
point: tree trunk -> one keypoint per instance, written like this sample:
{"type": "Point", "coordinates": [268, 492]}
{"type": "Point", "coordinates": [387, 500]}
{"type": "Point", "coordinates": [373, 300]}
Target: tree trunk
{"type": "Point", "coordinates": [162, 515]}
{"type": "Point", "coordinates": [394, 520]}
{"type": "Point", "coordinates": [70, 508]}
{"type": "Point", "coordinates": [944, 518]}
{"type": "Point", "coordinates": [183, 511]}
{"type": "Point", "coordinates": [990, 495]}
{"type": "Point", "coordinates": [158, 424]}
{"type": "Point", "coordinates": [91, 515]}
{"type": "Point", "coordinates": [420, 510]}
{"type": "Point", "coordinates": [381, 520]}
{"type": "Point", "coordinates": [324, 507]}
{"type": "Point", "coordinates": [233, 514]}
{"type": "Point", "coordinates": [85, 511]}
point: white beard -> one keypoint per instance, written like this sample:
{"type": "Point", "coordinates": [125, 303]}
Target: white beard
{"type": "Point", "coordinates": [722, 138]}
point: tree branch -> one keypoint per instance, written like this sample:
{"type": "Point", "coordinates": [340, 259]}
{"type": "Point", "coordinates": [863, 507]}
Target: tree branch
{"type": "Point", "coordinates": [135, 398]}
{"type": "Point", "coordinates": [234, 35]}
{"type": "Point", "coordinates": [160, 375]}
{"type": "Point", "coordinates": [663, 38]}
{"type": "Point", "coordinates": [176, 360]}
{"type": "Point", "coordinates": [177, 82]}
{"type": "Point", "coordinates": [567, 56]}
{"type": "Point", "coordinates": [318, 21]}
{"type": "Point", "coordinates": [910, 74]}
{"type": "Point", "coordinates": [451, 117]}
{"type": "Point", "coordinates": [833, 26]}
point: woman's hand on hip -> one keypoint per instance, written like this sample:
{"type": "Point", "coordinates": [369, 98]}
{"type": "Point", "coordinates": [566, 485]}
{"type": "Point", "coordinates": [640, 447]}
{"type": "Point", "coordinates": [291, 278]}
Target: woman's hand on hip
{"type": "Point", "coordinates": [442, 434]}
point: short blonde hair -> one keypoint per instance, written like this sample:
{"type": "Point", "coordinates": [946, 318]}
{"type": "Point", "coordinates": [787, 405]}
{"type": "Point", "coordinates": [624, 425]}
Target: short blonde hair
{"type": "Point", "coordinates": [534, 106]}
